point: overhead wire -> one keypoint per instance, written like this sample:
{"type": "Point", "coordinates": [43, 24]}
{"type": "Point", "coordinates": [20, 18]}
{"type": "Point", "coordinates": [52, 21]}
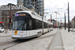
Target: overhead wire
{"type": "Point", "coordinates": [53, 6]}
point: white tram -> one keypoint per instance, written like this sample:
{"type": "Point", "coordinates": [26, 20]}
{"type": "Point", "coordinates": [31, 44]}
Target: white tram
{"type": "Point", "coordinates": [28, 24]}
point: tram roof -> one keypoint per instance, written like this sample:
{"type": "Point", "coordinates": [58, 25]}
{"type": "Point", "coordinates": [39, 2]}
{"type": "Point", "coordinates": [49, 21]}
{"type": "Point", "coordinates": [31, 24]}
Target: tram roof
{"type": "Point", "coordinates": [35, 16]}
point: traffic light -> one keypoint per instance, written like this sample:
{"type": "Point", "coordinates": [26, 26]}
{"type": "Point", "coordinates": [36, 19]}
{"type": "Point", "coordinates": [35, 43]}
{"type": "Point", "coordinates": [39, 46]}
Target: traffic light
{"type": "Point", "coordinates": [9, 20]}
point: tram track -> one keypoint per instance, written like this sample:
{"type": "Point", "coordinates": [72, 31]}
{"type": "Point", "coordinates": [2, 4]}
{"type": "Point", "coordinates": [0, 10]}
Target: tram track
{"type": "Point", "coordinates": [8, 44]}
{"type": "Point", "coordinates": [51, 42]}
{"type": "Point", "coordinates": [62, 42]}
{"type": "Point", "coordinates": [13, 43]}
{"type": "Point", "coordinates": [52, 45]}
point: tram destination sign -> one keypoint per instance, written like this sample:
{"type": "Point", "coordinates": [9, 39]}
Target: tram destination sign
{"type": "Point", "coordinates": [20, 15]}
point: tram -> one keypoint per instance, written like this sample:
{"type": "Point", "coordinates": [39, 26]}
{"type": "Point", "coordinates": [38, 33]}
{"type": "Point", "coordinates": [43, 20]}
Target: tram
{"type": "Point", "coordinates": [55, 26]}
{"type": "Point", "coordinates": [28, 24]}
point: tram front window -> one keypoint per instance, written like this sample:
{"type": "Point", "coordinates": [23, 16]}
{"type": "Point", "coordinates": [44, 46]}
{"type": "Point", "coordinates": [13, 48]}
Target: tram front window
{"type": "Point", "coordinates": [20, 23]}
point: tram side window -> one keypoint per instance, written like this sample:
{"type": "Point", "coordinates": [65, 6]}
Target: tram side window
{"type": "Point", "coordinates": [50, 26]}
{"type": "Point", "coordinates": [46, 25]}
{"type": "Point", "coordinates": [38, 24]}
{"type": "Point", "coordinates": [33, 24]}
{"type": "Point", "coordinates": [30, 24]}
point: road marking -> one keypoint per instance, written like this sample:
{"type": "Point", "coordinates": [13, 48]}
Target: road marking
{"type": "Point", "coordinates": [61, 41]}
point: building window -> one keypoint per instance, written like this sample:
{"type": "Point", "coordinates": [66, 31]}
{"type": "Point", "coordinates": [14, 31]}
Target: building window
{"type": "Point", "coordinates": [37, 5]}
{"type": "Point", "coordinates": [17, 0]}
{"type": "Point", "coordinates": [33, 4]}
{"type": "Point", "coordinates": [36, 0]}
{"type": "Point", "coordinates": [32, 0]}
{"type": "Point", "coordinates": [39, 0]}
{"type": "Point", "coordinates": [21, 0]}
{"type": "Point", "coordinates": [28, 2]}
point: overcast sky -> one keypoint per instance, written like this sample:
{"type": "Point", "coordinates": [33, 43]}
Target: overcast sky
{"type": "Point", "coordinates": [51, 6]}
{"type": "Point", "coordinates": [60, 6]}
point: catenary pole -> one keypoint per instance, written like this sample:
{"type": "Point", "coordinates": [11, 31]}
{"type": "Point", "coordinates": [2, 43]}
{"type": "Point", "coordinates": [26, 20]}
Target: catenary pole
{"type": "Point", "coordinates": [68, 19]}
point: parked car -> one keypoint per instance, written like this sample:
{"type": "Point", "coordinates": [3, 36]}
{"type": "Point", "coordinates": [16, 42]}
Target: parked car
{"type": "Point", "coordinates": [1, 29]}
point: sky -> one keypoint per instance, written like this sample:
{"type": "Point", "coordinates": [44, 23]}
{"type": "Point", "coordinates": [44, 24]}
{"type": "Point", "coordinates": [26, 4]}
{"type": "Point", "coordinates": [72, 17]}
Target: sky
{"type": "Point", "coordinates": [61, 7]}
{"type": "Point", "coordinates": [51, 6]}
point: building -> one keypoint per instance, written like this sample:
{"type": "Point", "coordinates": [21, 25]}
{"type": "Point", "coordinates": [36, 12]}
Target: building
{"type": "Point", "coordinates": [56, 23]}
{"type": "Point", "coordinates": [0, 13]}
{"type": "Point", "coordinates": [53, 21]}
{"type": "Point", "coordinates": [20, 2]}
{"type": "Point", "coordinates": [5, 13]}
{"type": "Point", "coordinates": [73, 23]}
{"type": "Point", "coordinates": [37, 4]}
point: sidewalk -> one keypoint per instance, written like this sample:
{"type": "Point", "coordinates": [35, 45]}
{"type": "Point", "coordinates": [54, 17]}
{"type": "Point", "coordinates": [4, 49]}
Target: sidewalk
{"type": "Point", "coordinates": [72, 29]}
{"type": "Point", "coordinates": [9, 33]}
{"type": "Point", "coordinates": [68, 39]}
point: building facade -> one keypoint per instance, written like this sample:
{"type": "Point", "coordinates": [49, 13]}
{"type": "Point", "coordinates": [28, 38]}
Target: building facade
{"type": "Point", "coordinates": [37, 4]}
{"type": "Point", "coordinates": [0, 13]}
{"type": "Point", "coordinates": [73, 23]}
{"type": "Point", "coordinates": [5, 13]}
